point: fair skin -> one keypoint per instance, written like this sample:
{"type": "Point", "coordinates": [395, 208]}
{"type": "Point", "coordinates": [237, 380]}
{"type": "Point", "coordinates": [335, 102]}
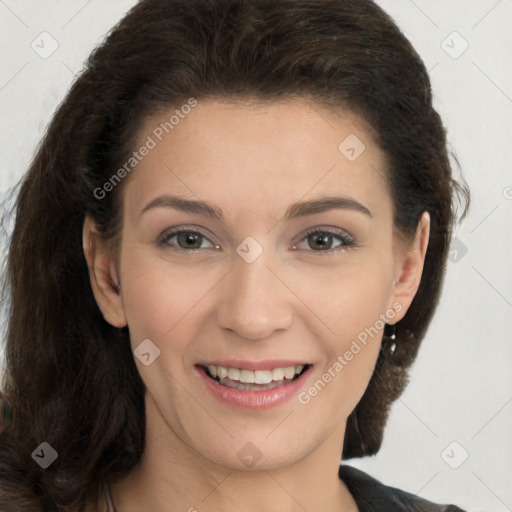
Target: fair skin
{"type": "Point", "coordinates": [252, 161]}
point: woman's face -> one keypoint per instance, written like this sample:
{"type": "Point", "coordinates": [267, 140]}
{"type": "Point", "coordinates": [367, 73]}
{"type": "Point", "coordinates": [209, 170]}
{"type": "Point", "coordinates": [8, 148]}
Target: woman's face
{"type": "Point", "coordinates": [245, 287]}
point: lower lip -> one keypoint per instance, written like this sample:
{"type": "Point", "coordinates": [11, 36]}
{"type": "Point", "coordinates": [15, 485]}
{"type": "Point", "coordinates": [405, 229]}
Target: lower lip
{"type": "Point", "coordinates": [254, 399]}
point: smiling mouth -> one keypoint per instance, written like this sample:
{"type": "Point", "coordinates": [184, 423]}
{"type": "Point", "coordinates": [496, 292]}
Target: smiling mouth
{"type": "Point", "coordinates": [248, 380]}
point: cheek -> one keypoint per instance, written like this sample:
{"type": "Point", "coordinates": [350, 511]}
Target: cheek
{"type": "Point", "coordinates": [353, 304]}
{"type": "Point", "coordinates": [349, 298]}
{"type": "Point", "coordinates": [156, 296]}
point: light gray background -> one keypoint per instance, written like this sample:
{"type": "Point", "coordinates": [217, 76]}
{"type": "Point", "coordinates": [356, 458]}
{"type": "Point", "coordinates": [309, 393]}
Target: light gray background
{"type": "Point", "coordinates": [461, 385]}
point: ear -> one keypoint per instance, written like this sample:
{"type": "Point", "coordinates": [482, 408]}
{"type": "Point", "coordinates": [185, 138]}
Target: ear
{"type": "Point", "coordinates": [103, 275]}
{"type": "Point", "coordinates": [409, 261]}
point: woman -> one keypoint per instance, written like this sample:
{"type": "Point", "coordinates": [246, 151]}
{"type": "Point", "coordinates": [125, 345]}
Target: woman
{"type": "Point", "coordinates": [294, 146]}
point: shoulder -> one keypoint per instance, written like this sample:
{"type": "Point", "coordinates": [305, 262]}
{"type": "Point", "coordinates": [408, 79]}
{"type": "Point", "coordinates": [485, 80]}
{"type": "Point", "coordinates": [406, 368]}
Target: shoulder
{"type": "Point", "coordinates": [370, 494]}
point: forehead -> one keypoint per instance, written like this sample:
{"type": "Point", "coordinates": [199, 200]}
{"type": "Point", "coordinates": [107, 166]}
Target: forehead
{"type": "Point", "coordinates": [257, 155]}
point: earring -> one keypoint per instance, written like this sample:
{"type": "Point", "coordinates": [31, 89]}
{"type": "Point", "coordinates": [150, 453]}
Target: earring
{"type": "Point", "coordinates": [392, 337]}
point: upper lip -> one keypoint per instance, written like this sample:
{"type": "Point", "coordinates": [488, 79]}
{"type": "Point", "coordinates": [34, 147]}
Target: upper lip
{"type": "Point", "coordinates": [244, 364]}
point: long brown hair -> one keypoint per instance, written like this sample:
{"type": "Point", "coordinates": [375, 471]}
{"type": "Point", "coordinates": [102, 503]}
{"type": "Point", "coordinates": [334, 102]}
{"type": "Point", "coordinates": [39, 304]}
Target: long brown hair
{"type": "Point", "coordinates": [71, 376]}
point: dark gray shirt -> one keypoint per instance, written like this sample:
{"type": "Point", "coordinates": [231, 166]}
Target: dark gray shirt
{"type": "Point", "coordinates": [373, 496]}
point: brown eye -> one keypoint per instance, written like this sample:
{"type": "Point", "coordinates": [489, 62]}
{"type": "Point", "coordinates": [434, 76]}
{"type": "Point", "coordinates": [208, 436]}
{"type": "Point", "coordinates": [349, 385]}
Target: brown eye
{"type": "Point", "coordinates": [322, 240]}
{"type": "Point", "coordinates": [189, 240]}
{"type": "Point", "coordinates": [185, 240]}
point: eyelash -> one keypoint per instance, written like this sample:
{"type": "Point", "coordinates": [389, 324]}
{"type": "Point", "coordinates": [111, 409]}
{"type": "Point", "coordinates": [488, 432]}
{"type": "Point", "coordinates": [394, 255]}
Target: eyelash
{"type": "Point", "coordinates": [348, 241]}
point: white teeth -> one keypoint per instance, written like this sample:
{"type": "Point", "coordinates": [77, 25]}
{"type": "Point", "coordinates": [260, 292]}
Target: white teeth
{"type": "Point", "coordinates": [222, 372]}
{"type": "Point", "coordinates": [234, 374]}
{"type": "Point", "coordinates": [246, 376]}
{"type": "Point", "coordinates": [289, 372]}
{"type": "Point", "coordinates": [278, 374]}
{"type": "Point", "coordinates": [262, 377]}
{"type": "Point", "coordinates": [255, 377]}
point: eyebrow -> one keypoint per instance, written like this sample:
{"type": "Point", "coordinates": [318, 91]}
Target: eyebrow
{"type": "Point", "coordinates": [296, 210]}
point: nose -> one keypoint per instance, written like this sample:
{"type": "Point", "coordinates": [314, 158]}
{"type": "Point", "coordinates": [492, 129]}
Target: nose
{"type": "Point", "coordinates": [255, 301]}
